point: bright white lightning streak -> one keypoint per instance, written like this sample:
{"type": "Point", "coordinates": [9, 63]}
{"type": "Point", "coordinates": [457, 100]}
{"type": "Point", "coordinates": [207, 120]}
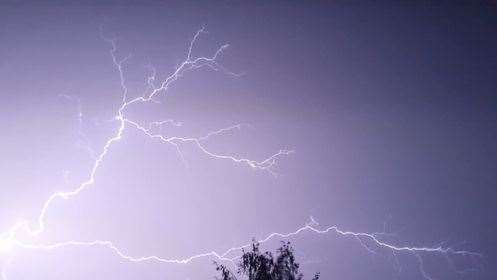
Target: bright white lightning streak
{"type": "Point", "coordinates": [8, 239]}
{"type": "Point", "coordinates": [188, 64]}
{"type": "Point", "coordinates": [227, 255]}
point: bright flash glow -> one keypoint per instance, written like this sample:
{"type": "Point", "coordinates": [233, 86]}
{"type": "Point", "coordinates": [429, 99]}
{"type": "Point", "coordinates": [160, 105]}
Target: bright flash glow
{"type": "Point", "coordinates": [372, 242]}
{"type": "Point", "coordinates": [6, 245]}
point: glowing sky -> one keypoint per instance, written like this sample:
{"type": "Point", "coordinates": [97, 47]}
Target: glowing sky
{"type": "Point", "coordinates": [379, 119]}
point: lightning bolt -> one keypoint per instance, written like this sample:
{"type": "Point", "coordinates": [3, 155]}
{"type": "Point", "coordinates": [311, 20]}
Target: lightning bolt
{"type": "Point", "coordinates": [153, 130]}
{"type": "Point", "coordinates": [228, 255]}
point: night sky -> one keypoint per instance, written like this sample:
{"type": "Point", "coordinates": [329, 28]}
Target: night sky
{"type": "Point", "coordinates": [390, 108]}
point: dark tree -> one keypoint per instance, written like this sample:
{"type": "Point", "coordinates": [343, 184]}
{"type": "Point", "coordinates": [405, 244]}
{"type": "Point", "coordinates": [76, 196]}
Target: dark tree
{"type": "Point", "coordinates": [255, 265]}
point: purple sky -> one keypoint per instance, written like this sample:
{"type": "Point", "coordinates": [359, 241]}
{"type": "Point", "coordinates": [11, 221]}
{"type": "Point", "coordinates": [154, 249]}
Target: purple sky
{"type": "Point", "coordinates": [390, 109]}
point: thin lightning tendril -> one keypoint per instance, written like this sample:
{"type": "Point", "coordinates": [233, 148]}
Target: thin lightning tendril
{"type": "Point", "coordinates": [8, 239]}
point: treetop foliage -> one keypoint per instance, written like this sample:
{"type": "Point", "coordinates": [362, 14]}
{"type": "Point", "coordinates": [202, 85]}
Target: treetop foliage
{"type": "Point", "coordinates": [257, 265]}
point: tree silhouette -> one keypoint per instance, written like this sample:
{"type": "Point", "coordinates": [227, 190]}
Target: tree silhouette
{"type": "Point", "coordinates": [255, 265]}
